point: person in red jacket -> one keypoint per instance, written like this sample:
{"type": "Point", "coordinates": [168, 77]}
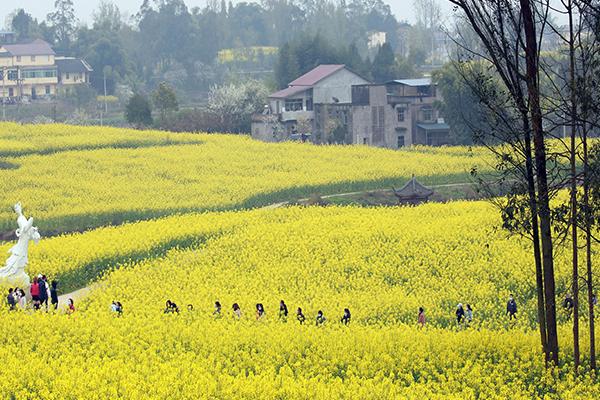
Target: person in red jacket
{"type": "Point", "coordinates": [35, 293]}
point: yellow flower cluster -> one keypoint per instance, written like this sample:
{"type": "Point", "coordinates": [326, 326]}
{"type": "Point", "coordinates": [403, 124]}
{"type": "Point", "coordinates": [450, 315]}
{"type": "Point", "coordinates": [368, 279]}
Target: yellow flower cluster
{"type": "Point", "coordinates": [380, 263]}
{"type": "Point", "coordinates": [74, 178]}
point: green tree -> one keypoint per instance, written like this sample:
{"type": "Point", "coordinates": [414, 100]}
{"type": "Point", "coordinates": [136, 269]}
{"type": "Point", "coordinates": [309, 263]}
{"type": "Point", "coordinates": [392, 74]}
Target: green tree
{"type": "Point", "coordinates": [165, 100]}
{"type": "Point", "coordinates": [24, 25]}
{"type": "Point", "coordinates": [63, 23]}
{"type": "Point", "coordinates": [384, 64]}
{"type": "Point", "coordinates": [138, 111]}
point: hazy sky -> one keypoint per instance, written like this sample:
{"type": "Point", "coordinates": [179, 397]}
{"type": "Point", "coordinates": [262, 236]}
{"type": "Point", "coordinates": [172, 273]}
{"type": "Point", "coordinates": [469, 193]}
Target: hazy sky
{"type": "Point", "coordinates": [40, 8]}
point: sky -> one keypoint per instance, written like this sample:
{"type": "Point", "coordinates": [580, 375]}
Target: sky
{"type": "Point", "coordinates": [84, 8]}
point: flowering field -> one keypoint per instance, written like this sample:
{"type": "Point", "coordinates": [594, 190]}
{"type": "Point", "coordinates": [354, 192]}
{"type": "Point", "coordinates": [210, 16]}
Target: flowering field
{"type": "Point", "coordinates": [380, 263]}
{"type": "Point", "coordinates": [75, 178]}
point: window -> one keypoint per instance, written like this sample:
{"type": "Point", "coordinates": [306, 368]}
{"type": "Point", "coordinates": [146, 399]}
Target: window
{"type": "Point", "coordinates": [1, 75]}
{"type": "Point", "coordinates": [18, 58]}
{"type": "Point", "coordinates": [400, 112]}
{"type": "Point", "coordinates": [401, 141]}
{"type": "Point", "coordinates": [67, 76]}
{"type": "Point", "coordinates": [309, 104]}
{"type": "Point", "coordinates": [290, 105]}
{"type": "Point", "coordinates": [39, 73]}
{"type": "Point", "coordinates": [427, 113]}
{"type": "Point", "coordinates": [47, 89]}
{"type": "Point", "coordinates": [13, 75]}
{"type": "Point", "coordinates": [33, 93]}
{"type": "Point", "coordinates": [11, 92]}
{"type": "Point", "coordinates": [32, 59]}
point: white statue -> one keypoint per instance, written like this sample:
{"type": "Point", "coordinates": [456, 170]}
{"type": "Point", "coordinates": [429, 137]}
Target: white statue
{"type": "Point", "coordinates": [13, 272]}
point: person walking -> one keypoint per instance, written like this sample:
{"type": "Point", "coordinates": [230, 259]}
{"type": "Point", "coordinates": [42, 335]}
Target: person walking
{"type": "Point", "coordinates": [34, 290]}
{"type": "Point", "coordinates": [217, 311]}
{"type": "Point", "coordinates": [421, 318]}
{"type": "Point", "coordinates": [568, 305]}
{"type": "Point", "coordinates": [511, 308]}
{"type": "Point", "coordinates": [237, 312]}
{"type": "Point", "coordinates": [260, 311]}
{"type": "Point", "coordinates": [346, 317]}
{"type": "Point", "coordinates": [460, 314]}
{"type": "Point", "coordinates": [320, 318]}
{"type": "Point", "coordinates": [300, 316]}
{"type": "Point", "coordinates": [469, 315]}
{"type": "Point", "coordinates": [283, 311]}
{"type": "Point", "coordinates": [54, 294]}
{"type": "Point", "coordinates": [22, 299]}
{"type": "Point", "coordinates": [70, 307]}
{"type": "Point", "coordinates": [11, 299]}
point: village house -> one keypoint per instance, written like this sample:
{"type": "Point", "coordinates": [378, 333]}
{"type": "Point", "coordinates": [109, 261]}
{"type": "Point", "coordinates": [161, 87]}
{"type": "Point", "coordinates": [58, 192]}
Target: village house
{"type": "Point", "coordinates": [315, 106]}
{"type": "Point", "coordinates": [30, 70]}
{"type": "Point", "coordinates": [397, 114]}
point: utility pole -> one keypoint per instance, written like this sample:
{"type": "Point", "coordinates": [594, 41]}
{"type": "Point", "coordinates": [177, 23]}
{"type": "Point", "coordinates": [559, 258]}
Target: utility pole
{"type": "Point", "coordinates": [3, 96]}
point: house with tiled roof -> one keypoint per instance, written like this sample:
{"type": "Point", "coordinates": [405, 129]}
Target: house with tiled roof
{"type": "Point", "coordinates": [315, 106]}
{"type": "Point", "coordinates": [31, 70]}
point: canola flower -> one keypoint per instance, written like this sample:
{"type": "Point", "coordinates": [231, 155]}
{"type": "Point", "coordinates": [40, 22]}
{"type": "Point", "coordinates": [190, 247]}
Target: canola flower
{"type": "Point", "coordinates": [76, 178]}
{"type": "Point", "coordinates": [382, 263]}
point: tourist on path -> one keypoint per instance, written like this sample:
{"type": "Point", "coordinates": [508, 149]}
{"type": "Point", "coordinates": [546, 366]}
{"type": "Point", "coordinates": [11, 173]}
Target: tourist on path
{"type": "Point", "coordinates": [421, 319]}
{"type": "Point", "coordinates": [568, 305]}
{"type": "Point", "coordinates": [320, 318]}
{"type": "Point", "coordinates": [34, 290]}
{"type": "Point", "coordinates": [460, 313]}
{"type": "Point", "coordinates": [236, 310]}
{"type": "Point", "coordinates": [260, 311]}
{"type": "Point", "coordinates": [346, 317]}
{"type": "Point", "coordinates": [10, 299]}
{"type": "Point", "coordinates": [54, 294]}
{"type": "Point", "coordinates": [70, 307]}
{"type": "Point", "coordinates": [22, 299]}
{"type": "Point", "coordinates": [300, 316]}
{"type": "Point", "coordinates": [511, 308]}
{"type": "Point", "coordinates": [469, 314]}
{"type": "Point", "coordinates": [283, 311]}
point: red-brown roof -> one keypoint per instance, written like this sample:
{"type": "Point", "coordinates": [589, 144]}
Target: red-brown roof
{"type": "Point", "coordinates": [317, 74]}
{"type": "Point", "coordinates": [287, 92]}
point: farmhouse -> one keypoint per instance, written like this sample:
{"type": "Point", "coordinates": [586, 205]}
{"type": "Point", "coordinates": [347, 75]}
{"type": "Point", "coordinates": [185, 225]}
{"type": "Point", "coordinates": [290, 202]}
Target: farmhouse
{"type": "Point", "coordinates": [332, 104]}
{"type": "Point", "coordinates": [30, 70]}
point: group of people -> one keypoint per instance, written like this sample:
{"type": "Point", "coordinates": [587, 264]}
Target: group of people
{"type": "Point", "coordinates": [42, 295]}
{"type": "Point", "coordinates": [172, 308]}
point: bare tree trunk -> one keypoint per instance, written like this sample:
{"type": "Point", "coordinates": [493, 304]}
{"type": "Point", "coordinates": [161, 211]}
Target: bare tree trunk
{"type": "Point", "coordinates": [535, 236]}
{"type": "Point", "coordinates": [588, 247]}
{"type": "Point", "coordinates": [531, 60]}
{"type": "Point", "coordinates": [573, 200]}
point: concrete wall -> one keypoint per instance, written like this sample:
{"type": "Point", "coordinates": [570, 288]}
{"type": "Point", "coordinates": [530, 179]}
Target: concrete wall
{"type": "Point", "coordinates": [338, 85]}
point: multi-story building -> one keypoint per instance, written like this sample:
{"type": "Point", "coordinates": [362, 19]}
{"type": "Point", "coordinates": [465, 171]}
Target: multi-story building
{"type": "Point", "coordinates": [30, 70]}
{"type": "Point", "coordinates": [397, 114]}
{"type": "Point", "coordinates": [315, 105]}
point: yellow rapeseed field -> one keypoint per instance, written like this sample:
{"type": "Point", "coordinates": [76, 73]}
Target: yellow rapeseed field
{"type": "Point", "coordinates": [381, 263]}
{"type": "Point", "coordinates": [73, 178]}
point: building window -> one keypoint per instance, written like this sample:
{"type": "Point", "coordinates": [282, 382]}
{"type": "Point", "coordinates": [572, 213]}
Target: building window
{"type": "Point", "coordinates": [32, 59]}
{"type": "Point", "coordinates": [401, 116]}
{"type": "Point", "coordinates": [11, 92]}
{"type": "Point", "coordinates": [13, 75]}
{"type": "Point", "coordinates": [1, 75]}
{"type": "Point", "coordinates": [47, 89]}
{"type": "Point", "coordinates": [39, 73]}
{"type": "Point", "coordinates": [67, 76]}
{"type": "Point", "coordinates": [427, 113]}
{"type": "Point", "coordinates": [18, 58]}
{"type": "Point", "coordinates": [309, 104]}
{"type": "Point", "coordinates": [290, 105]}
{"type": "Point", "coordinates": [400, 141]}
